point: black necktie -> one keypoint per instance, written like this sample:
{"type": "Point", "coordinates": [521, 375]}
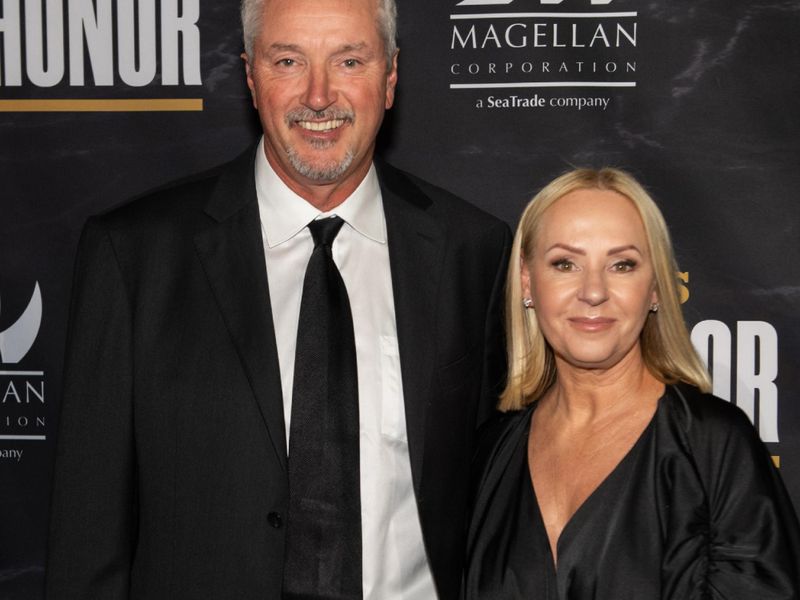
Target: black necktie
{"type": "Point", "coordinates": [323, 543]}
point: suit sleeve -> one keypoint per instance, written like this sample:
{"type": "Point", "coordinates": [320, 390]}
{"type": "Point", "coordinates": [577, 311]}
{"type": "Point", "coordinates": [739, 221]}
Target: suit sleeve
{"type": "Point", "coordinates": [93, 512]}
{"type": "Point", "coordinates": [754, 545]}
{"type": "Point", "coordinates": [494, 358]}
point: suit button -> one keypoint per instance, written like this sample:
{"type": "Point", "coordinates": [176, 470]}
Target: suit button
{"type": "Point", "coordinates": [275, 520]}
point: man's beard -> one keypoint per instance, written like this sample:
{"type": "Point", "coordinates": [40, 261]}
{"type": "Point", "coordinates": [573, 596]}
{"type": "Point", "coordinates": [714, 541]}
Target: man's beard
{"type": "Point", "coordinates": [321, 173]}
{"type": "Point", "coordinates": [330, 170]}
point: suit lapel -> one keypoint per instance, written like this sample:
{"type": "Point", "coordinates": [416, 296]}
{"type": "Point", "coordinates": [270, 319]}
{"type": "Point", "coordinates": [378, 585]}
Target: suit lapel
{"type": "Point", "coordinates": [232, 255]}
{"type": "Point", "coordinates": [416, 244]}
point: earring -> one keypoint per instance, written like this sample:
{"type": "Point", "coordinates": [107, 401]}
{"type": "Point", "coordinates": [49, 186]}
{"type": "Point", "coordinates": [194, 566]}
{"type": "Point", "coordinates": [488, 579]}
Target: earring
{"type": "Point", "coordinates": [527, 302]}
{"type": "Point", "coordinates": [654, 307]}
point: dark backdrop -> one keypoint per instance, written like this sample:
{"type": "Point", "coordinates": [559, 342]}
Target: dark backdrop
{"type": "Point", "coordinates": [697, 98]}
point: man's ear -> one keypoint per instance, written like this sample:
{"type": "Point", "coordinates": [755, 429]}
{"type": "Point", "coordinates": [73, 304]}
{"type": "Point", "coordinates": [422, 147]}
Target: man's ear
{"type": "Point", "coordinates": [391, 82]}
{"type": "Point", "coordinates": [249, 73]}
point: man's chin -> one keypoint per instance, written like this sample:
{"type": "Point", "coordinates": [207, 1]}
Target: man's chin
{"type": "Point", "coordinates": [321, 171]}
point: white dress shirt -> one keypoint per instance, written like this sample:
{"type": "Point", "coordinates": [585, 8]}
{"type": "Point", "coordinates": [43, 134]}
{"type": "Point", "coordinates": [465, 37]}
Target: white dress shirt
{"type": "Point", "coordinates": [394, 561]}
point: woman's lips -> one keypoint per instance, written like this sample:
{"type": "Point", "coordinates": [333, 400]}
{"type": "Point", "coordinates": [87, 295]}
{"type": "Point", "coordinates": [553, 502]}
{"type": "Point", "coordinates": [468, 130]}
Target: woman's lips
{"type": "Point", "coordinates": [592, 324]}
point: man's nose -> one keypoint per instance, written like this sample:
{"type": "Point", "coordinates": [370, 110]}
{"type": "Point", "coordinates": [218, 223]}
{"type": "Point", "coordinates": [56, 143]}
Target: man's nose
{"type": "Point", "coordinates": [319, 93]}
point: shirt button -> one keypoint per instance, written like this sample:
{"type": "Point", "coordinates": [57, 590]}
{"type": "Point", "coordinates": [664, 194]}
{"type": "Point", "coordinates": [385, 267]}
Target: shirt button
{"type": "Point", "coordinates": [275, 520]}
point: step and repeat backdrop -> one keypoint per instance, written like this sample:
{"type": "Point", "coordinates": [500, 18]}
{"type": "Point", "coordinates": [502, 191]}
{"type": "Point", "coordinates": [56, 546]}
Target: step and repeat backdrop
{"type": "Point", "coordinates": [101, 100]}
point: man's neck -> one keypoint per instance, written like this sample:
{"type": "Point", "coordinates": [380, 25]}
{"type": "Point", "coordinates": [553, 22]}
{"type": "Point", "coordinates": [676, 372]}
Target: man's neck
{"type": "Point", "coordinates": [328, 195]}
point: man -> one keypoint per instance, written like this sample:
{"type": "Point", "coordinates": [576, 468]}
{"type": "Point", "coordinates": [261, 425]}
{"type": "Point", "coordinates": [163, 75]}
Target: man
{"type": "Point", "coordinates": [189, 355]}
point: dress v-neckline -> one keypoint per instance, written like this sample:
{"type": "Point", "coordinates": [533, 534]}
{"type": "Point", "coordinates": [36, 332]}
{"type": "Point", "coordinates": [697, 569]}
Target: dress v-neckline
{"type": "Point", "coordinates": [578, 517]}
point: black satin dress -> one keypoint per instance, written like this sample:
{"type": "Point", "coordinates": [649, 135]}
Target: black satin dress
{"type": "Point", "coordinates": [695, 510]}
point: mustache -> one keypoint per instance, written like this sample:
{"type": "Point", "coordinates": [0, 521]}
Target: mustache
{"type": "Point", "coordinates": [306, 114]}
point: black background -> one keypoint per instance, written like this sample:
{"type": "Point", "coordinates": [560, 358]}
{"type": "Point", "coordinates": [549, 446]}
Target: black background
{"type": "Point", "coordinates": [711, 128]}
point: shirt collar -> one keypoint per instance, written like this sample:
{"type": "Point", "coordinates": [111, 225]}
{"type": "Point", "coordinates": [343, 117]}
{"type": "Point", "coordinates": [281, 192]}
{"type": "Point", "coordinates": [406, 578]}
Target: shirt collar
{"type": "Point", "coordinates": [284, 214]}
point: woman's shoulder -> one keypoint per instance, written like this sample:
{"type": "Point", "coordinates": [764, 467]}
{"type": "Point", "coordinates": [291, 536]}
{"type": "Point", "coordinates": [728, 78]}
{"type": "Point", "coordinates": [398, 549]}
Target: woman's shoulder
{"type": "Point", "coordinates": [497, 439]}
{"type": "Point", "coordinates": [718, 436]}
{"type": "Point", "coordinates": [752, 524]}
{"type": "Point", "coordinates": [697, 412]}
{"type": "Point", "coordinates": [501, 428]}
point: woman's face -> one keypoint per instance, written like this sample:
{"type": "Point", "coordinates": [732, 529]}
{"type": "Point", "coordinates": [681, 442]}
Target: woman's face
{"type": "Point", "coordinates": [591, 278]}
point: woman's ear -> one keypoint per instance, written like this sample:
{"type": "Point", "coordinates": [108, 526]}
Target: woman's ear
{"type": "Point", "coordinates": [525, 277]}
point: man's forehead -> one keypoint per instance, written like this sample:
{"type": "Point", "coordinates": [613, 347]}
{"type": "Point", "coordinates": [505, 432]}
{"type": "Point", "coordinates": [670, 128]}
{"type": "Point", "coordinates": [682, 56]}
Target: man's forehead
{"type": "Point", "coordinates": [305, 22]}
{"type": "Point", "coordinates": [315, 8]}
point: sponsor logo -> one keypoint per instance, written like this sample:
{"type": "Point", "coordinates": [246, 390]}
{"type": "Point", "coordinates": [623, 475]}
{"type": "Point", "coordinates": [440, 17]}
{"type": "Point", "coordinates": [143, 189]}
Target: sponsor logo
{"type": "Point", "coordinates": [506, 2]}
{"type": "Point", "coordinates": [528, 58]}
{"type": "Point", "coordinates": [743, 362]}
{"type": "Point", "coordinates": [13, 454]}
{"type": "Point", "coordinates": [17, 339]}
{"type": "Point", "coordinates": [22, 391]}
{"type": "Point", "coordinates": [98, 44]}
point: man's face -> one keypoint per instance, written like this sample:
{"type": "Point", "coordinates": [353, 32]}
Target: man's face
{"type": "Point", "coordinates": [319, 79]}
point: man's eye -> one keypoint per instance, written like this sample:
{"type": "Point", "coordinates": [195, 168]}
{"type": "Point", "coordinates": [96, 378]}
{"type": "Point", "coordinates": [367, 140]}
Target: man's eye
{"type": "Point", "coordinates": [350, 62]}
{"type": "Point", "coordinates": [286, 62]}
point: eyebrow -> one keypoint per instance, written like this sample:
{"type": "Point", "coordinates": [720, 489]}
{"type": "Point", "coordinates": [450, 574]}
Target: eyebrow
{"type": "Point", "coordinates": [352, 47]}
{"type": "Point", "coordinates": [285, 47]}
{"type": "Point", "coordinates": [576, 250]}
{"type": "Point", "coordinates": [279, 47]}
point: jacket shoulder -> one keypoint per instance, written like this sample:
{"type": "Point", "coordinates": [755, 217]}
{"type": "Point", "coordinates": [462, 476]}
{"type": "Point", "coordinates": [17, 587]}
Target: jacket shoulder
{"type": "Point", "coordinates": [176, 201]}
{"type": "Point", "coordinates": [436, 200]}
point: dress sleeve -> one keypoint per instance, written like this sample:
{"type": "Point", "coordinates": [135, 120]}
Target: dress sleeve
{"type": "Point", "coordinates": [93, 512]}
{"type": "Point", "coordinates": [753, 535]}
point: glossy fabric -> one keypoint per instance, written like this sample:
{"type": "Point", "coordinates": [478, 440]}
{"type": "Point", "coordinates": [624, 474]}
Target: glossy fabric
{"type": "Point", "coordinates": [694, 510]}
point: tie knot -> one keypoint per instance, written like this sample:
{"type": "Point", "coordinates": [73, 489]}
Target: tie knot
{"type": "Point", "coordinates": [324, 231]}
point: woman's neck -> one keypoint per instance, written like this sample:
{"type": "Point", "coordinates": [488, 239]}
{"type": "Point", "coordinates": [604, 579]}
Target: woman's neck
{"type": "Point", "coordinates": [584, 395]}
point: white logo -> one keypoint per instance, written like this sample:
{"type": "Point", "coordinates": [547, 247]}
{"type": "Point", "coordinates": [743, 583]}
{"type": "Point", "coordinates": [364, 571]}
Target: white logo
{"type": "Point", "coordinates": [535, 60]}
{"type": "Point", "coordinates": [495, 2]}
{"type": "Point", "coordinates": [121, 40]}
{"type": "Point", "coordinates": [19, 337]}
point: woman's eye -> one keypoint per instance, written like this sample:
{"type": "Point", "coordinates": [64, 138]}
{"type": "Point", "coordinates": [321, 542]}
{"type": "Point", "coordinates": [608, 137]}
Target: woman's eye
{"type": "Point", "coordinates": [564, 265]}
{"type": "Point", "coordinates": [624, 266]}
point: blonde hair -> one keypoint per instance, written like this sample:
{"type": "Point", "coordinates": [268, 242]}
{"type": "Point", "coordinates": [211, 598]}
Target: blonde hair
{"type": "Point", "coordinates": [667, 350]}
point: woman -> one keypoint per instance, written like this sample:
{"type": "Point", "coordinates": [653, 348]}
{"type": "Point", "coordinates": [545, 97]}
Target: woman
{"type": "Point", "coordinates": [613, 474]}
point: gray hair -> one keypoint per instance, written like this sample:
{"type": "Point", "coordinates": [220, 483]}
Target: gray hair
{"type": "Point", "coordinates": [253, 10]}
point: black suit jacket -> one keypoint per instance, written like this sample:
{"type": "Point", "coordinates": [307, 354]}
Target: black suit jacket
{"type": "Point", "coordinates": [171, 464]}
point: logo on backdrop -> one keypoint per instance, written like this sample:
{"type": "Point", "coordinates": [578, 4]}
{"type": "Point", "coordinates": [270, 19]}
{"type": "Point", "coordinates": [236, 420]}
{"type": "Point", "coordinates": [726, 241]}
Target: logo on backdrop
{"type": "Point", "coordinates": [99, 42]}
{"type": "Point", "coordinates": [22, 399]}
{"type": "Point", "coordinates": [743, 362]}
{"type": "Point", "coordinates": [536, 54]}
{"type": "Point", "coordinates": [493, 2]}
{"type": "Point", "coordinates": [99, 55]}
{"type": "Point", "coordinates": [743, 359]}
{"type": "Point", "coordinates": [17, 339]}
